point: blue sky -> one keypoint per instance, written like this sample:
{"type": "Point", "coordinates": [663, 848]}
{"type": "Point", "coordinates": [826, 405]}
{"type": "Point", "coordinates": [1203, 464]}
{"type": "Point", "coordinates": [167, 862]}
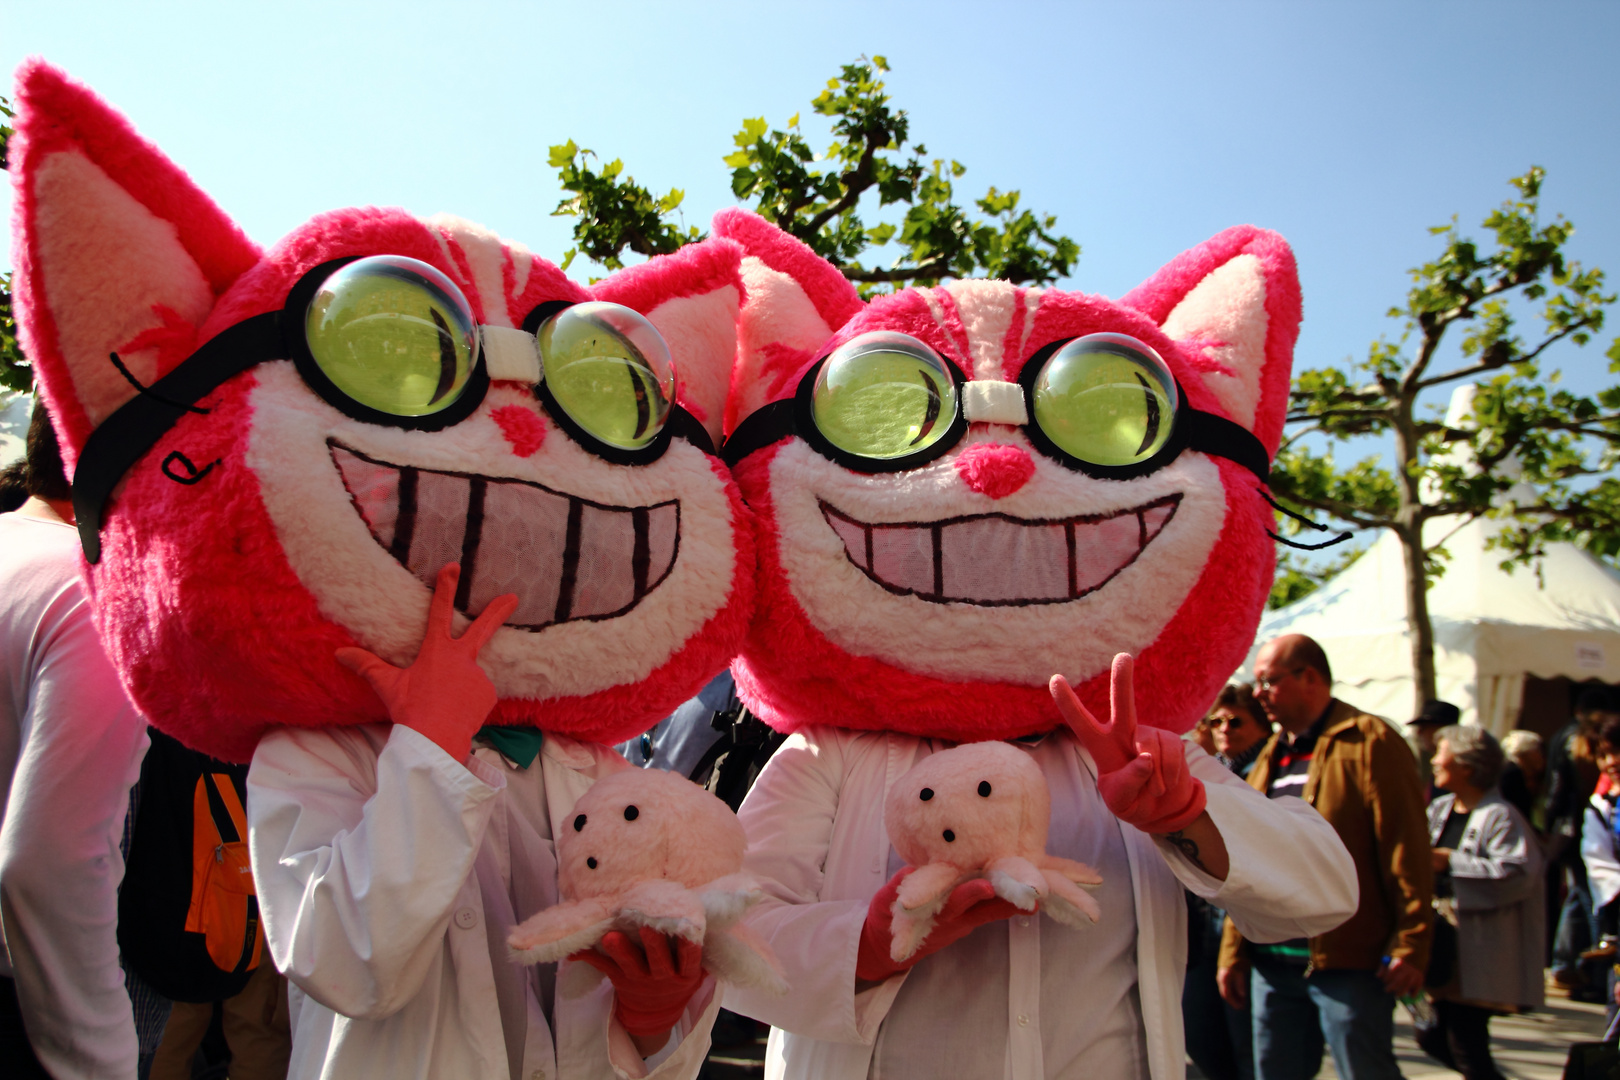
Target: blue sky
{"type": "Point", "coordinates": [1146, 127]}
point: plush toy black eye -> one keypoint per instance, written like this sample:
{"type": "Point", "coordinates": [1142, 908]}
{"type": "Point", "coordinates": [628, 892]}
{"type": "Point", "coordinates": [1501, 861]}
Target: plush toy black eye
{"type": "Point", "coordinates": [579, 823]}
{"type": "Point", "coordinates": [925, 794]}
{"type": "Point", "coordinates": [591, 862]}
{"type": "Point", "coordinates": [631, 813]}
{"type": "Point", "coordinates": [984, 789]}
{"type": "Point", "coordinates": [950, 837]}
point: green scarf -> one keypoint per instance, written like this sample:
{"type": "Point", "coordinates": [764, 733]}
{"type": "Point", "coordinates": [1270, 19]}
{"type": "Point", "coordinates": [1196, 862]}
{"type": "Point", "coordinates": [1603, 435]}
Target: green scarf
{"type": "Point", "coordinates": [520, 745]}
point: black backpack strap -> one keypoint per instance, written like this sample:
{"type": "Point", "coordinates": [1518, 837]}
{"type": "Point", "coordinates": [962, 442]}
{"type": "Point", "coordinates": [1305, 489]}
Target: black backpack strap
{"type": "Point", "coordinates": [216, 807]}
{"type": "Point", "coordinates": [249, 939]}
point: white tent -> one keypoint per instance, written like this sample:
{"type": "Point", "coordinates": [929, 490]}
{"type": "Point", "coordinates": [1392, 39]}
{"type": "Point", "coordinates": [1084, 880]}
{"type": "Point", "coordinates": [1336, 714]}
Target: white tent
{"type": "Point", "coordinates": [1492, 628]}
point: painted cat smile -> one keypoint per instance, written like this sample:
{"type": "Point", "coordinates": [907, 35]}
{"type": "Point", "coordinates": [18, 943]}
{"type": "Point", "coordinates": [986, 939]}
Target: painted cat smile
{"type": "Point", "coordinates": [565, 557]}
{"type": "Point", "coordinates": [993, 560]}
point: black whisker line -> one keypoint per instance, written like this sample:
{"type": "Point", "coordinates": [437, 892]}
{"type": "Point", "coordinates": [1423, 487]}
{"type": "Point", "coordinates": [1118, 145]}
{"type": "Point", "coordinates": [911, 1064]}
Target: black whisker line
{"type": "Point", "coordinates": [1341, 538]}
{"type": "Point", "coordinates": [136, 383]}
{"type": "Point", "coordinates": [1280, 508]}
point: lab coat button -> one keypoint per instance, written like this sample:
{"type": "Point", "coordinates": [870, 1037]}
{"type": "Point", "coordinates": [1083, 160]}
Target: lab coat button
{"type": "Point", "coordinates": [466, 918]}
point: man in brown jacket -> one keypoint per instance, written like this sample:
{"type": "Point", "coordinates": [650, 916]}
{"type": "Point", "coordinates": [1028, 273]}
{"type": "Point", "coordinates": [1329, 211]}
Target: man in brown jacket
{"type": "Point", "coordinates": [1339, 987]}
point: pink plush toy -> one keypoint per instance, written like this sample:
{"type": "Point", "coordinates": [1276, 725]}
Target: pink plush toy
{"type": "Point", "coordinates": [978, 810]}
{"type": "Point", "coordinates": [649, 848]}
{"type": "Point", "coordinates": [258, 485]}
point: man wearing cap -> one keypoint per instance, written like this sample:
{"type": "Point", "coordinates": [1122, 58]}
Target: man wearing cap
{"type": "Point", "coordinates": [1422, 731]}
{"type": "Point", "coordinates": [1340, 987]}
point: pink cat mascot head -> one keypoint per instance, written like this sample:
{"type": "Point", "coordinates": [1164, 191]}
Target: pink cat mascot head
{"type": "Point", "coordinates": [274, 452]}
{"type": "Point", "coordinates": [961, 491]}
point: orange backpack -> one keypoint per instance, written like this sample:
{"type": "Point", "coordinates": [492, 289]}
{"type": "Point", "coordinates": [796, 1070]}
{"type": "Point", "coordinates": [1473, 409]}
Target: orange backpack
{"type": "Point", "coordinates": [224, 903]}
{"type": "Point", "coordinates": [188, 912]}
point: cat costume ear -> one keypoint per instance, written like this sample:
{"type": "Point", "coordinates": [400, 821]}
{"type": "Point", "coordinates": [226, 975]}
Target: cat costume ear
{"type": "Point", "coordinates": [796, 299]}
{"type": "Point", "coordinates": [116, 251]}
{"type": "Point", "coordinates": [1232, 303]}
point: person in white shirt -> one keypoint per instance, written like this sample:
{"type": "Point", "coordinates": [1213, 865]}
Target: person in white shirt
{"type": "Point", "coordinates": [70, 749]}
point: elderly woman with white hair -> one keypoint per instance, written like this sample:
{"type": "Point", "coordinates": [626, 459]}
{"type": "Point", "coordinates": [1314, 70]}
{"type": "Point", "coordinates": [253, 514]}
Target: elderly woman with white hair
{"type": "Point", "coordinates": [1487, 866]}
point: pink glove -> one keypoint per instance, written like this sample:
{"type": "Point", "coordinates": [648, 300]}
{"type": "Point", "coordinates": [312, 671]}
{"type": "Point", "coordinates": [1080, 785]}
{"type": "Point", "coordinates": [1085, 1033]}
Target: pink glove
{"type": "Point", "coordinates": [650, 986]}
{"type": "Point", "coordinates": [444, 694]}
{"type": "Point", "coordinates": [970, 905]}
{"type": "Point", "coordinates": [1143, 773]}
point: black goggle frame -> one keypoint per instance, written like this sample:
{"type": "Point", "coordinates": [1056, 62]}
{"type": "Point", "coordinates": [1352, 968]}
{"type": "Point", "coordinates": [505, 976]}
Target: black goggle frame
{"type": "Point", "coordinates": [1193, 429]}
{"type": "Point", "coordinates": [134, 428]}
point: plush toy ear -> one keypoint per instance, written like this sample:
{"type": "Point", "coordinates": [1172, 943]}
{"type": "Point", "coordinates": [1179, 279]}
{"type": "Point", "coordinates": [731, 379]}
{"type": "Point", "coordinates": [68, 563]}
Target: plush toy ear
{"type": "Point", "coordinates": [796, 300]}
{"type": "Point", "coordinates": [1233, 304]}
{"type": "Point", "coordinates": [692, 297]}
{"type": "Point", "coordinates": [116, 251]}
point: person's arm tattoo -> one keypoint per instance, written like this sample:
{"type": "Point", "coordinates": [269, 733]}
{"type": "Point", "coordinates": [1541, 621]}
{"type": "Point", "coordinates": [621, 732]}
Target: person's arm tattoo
{"type": "Point", "coordinates": [1187, 847]}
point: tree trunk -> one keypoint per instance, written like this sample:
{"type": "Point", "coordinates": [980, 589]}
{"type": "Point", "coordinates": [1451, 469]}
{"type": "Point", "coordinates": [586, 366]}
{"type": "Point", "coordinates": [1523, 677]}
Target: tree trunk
{"type": "Point", "coordinates": [1419, 630]}
{"type": "Point", "coordinates": [1409, 518]}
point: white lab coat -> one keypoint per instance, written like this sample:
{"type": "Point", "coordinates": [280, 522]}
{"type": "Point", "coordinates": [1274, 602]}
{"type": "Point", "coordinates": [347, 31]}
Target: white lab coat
{"type": "Point", "coordinates": [817, 842]}
{"type": "Point", "coordinates": [389, 876]}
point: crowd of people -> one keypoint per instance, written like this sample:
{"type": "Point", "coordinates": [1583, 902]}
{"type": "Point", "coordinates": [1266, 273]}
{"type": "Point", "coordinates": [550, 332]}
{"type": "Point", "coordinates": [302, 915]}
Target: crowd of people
{"type": "Point", "coordinates": [1456, 893]}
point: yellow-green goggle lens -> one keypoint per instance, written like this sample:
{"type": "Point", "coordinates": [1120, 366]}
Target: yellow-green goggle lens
{"type": "Point", "coordinates": [884, 395]}
{"type": "Point", "coordinates": [394, 334]}
{"type": "Point", "coordinates": [610, 371]}
{"type": "Point", "coordinates": [1106, 399]}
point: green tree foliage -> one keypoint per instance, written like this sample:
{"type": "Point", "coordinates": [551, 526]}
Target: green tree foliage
{"type": "Point", "coordinates": [15, 372]}
{"type": "Point", "coordinates": [614, 213]}
{"type": "Point", "coordinates": [1532, 454]}
{"type": "Point", "coordinates": [821, 198]}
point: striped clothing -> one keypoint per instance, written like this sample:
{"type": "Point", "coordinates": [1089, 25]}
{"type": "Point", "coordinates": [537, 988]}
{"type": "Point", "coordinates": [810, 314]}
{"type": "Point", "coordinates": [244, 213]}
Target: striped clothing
{"type": "Point", "coordinates": [1290, 765]}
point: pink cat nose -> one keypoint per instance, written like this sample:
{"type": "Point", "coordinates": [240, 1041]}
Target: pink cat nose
{"type": "Point", "coordinates": [995, 469]}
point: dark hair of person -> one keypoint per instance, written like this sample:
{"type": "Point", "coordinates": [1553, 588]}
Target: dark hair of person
{"type": "Point", "coordinates": [13, 485]}
{"type": "Point", "coordinates": [1238, 698]}
{"type": "Point", "coordinates": [1610, 732]}
{"type": "Point", "coordinates": [1595, 699]}
{"type": "Point", "coordinates": [46, 476]}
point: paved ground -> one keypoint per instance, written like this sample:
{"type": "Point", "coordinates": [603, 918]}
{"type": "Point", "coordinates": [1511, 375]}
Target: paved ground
{"type": "Point", "coordinates": [1528, 1047]}
{"type": "Point", "coordinates": [1531, 1047]}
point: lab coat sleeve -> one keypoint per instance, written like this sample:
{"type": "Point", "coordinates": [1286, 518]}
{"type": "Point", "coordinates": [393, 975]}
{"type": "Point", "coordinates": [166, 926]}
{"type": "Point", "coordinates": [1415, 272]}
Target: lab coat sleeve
{"type": "Point", "coordinates": [358, 861]}
{"type": "Point", "coordinates": [1290, 874]}
{"type": "Point", "coordinates": [59, 861]}
{"type": "Point", "coordinates": [788, 816]}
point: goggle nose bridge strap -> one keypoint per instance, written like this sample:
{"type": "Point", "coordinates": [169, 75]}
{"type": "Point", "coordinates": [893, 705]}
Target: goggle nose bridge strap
{"type": "Point", "coordinates": [987, 401]}
{"type": "Point", "coordinates": [510, 354]}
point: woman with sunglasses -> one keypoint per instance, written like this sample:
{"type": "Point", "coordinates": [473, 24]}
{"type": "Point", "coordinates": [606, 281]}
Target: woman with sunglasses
{"type": "Point", "coordinates": [1219, 1038]}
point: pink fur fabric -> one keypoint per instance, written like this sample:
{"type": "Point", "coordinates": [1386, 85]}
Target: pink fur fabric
{"type": "Point", "coordinates": [222, 601]}
{"type": "Point", "coordinates": [649, 848]}
{"type": "Point", "coordinates": [852, 630]}
{"type": "Point", "coordinates": [995, 471]}
{"type": "Point", "coordinates": [978, 810]}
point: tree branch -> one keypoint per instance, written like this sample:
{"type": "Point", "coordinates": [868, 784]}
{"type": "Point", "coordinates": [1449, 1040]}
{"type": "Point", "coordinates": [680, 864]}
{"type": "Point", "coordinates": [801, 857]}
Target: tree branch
{"type": "Point", "coordinates": [938, 268]}
{"type": "Point", "coordinates": [1493, 365]}
{"type": "Point", "coordinates": [855, 181]}
{"type": "Point", "coordinates": [1327, 414]}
